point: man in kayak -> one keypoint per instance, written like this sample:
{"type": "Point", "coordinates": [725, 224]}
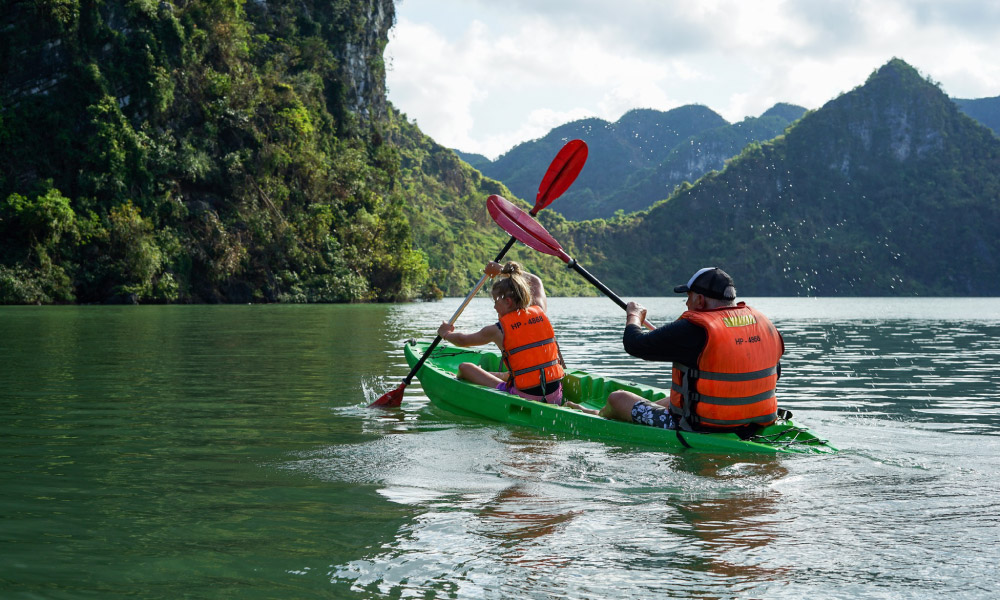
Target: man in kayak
{"type": "Point", "coordinates": [725, 362]}
{"type": "Point", "coordinates": [523, 333]}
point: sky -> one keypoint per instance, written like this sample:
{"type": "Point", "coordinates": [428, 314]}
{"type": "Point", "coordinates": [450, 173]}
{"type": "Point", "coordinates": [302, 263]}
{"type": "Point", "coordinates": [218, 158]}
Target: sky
{"type": "Point", "coordinates": [485, 75]}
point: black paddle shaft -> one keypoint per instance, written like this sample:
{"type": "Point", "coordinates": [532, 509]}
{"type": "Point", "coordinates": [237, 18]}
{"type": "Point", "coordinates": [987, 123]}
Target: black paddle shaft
{"type": "Point", "coordinates": [572, 264]}
{"type": "Point", "coordinates": [596, 283]}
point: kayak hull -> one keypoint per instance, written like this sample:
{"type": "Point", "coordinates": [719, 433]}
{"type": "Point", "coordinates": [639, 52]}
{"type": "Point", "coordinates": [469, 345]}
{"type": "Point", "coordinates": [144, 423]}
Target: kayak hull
{"type": "Point", "coordinates": [438, 378]}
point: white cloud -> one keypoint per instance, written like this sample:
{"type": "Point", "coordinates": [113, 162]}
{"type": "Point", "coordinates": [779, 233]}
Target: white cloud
{"type": "Point", "coordinates": [441, 93]}
{"type": "Point", "coordinates": [482, 75]}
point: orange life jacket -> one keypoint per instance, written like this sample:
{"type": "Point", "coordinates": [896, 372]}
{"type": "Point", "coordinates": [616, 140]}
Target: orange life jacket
{"type": "Point", "coordinates": [734, 383]}
{"type": "Point", "coordinates": [530, 349]}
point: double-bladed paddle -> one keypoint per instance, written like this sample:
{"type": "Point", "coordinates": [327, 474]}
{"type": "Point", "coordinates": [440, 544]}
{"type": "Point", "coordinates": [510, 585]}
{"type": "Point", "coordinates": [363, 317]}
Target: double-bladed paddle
{"type": "Point", "coordinates": [530, 232]}
{"type": "Point", "coordinates": [562, 172]}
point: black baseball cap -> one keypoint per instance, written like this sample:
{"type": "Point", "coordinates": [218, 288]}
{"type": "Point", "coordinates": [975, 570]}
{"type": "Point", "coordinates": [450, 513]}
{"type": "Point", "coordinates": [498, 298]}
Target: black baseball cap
{"type": "Point", "coordinates": [712, 282]}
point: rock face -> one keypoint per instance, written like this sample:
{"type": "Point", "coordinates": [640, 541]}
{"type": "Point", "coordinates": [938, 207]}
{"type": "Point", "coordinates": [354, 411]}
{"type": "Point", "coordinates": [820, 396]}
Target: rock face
{"type": "Point", "coordinates": [199, 151]}
{"type": "Point", "coordinates": [44, 46]}
{"type": "Point", "coordinates": [362, 63]}
{"type": "Point", "coordinates": [896, 115]}
{"type": "Point", "coordinates": [33, 59]}
{"type": "Point", "coordinates": [886, 190]}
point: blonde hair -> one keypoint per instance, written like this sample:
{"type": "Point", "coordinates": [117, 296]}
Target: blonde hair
{"type": "Point", "coordinates": [512, 284]}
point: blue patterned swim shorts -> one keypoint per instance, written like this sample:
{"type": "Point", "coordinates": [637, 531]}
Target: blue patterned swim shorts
{"type": "Point", "coordinates": [654, 415]}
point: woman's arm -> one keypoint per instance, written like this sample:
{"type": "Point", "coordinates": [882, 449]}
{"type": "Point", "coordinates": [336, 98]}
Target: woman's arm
{"type": "Point", "coordinates": [537, 291]}
{"type": "Point", "coordinates": [490, 333]}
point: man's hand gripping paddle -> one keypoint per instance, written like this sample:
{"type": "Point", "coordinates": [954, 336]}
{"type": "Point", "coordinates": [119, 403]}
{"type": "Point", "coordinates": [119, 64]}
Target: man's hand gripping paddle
{"type": "Point", "coordinates": [519, 225]}
{"type": "Point", "coordinates": [560, 175]}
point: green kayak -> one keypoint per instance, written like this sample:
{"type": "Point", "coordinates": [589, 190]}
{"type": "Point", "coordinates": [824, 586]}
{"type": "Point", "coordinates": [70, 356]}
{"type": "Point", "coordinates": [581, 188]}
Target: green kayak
{"type": "Point", "coordinates": [437, 376]}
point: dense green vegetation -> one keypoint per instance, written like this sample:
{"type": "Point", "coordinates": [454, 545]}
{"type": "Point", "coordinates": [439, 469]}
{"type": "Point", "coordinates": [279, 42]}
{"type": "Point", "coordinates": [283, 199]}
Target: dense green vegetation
{"type": "Point", "coordinates": [694, 157]}
{"type": "Point", "coordinates": [984, 110]}
{"type": "Point", "coordinates": [886, 190]}
{"type": "Point", "coordinates": [639, 159]}
{"type": "Point", "coordinates": [199, 152]}
{"type": "Point", "coordinates": [221, 151]}
{"type": "Point", "coordinates": [446, 206]}
{"type": "Point", "coordinates": [216, 151]}
{"type": "Point", "coordinates": [619, 151]}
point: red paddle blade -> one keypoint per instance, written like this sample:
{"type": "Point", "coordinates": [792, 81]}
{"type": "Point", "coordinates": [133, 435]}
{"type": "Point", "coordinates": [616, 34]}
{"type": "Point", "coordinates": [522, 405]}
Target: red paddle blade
{"type": "Point", "coordinates": [390, 399]}
{"type": "Point", "coordinates": [519, 224]}
{"type": "Point", "coordinates": [561, 173]}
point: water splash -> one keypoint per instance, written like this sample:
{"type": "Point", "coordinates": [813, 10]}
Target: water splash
{"type": "Point", "coordinates": [373, 387]}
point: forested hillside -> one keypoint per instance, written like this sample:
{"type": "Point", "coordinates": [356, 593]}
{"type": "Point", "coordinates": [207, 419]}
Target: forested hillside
{"type": "Point", "coordinates": [984, 110]}
{"type": "Point", "coordinates": [199, 151]}
{"type": "Point", "coordinates": [640, 140]}
{"type": "Point", "coordinates": [694, 157]}
{"type": "Point", "coordinates": [208, 151]}
{"type": "Point", "coordinates": [639, 159]}
{"type": "Point", "coordinates": [446, 207]}
{"type": "Point", "coordinates": [886, 190]}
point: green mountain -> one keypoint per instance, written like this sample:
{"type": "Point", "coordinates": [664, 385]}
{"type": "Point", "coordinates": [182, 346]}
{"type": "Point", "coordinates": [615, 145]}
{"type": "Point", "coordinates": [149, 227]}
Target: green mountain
{"type": "Point", "coordinates": [641, 158]}
{"type": "Point", "coordinates": [200, 151]}
{"type": "Point", "coordinates": [984, 110]}
{"type": "Point", "coordinates": [641, 139]}
{"type": "Point", "coordinates": [445, 204]}
{"type": "Point", "coordinates": [693, 158]}
{"type": "Point", "coordinates": [208, 151]}
{"type": "Point", "coordinates": [783, 110]}
{"type": "Point", "coordinates": [886, 190]}
{"type": "Point", "coordinates": [476, 161]}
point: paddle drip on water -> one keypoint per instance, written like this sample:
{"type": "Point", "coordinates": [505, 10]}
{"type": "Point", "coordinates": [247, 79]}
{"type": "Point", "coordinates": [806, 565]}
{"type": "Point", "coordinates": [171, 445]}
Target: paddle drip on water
{"type": "Point", "coordinates": [369, 387]}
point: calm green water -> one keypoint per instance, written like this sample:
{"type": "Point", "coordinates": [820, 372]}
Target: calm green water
{"type": "Point", "coordinates": [226, 452]}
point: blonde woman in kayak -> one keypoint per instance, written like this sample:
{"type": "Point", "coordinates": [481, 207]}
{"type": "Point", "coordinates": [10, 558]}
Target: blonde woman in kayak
{"type": "Point", "coordinates": [523, 334]}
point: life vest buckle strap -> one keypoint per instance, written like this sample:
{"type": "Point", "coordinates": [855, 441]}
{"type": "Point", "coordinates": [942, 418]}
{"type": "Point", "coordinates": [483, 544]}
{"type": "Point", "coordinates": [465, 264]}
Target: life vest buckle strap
{"type": "Point", "coordinates": [681, 439]}
{"type": "Point", "coordinates": [541, 375]}
{"type": "Point", "coordinates": [739, 376]}
{"type": "Point", "coordinates": [760, 420]}
{"type": "Point", "coordinates": [530, 346]}
{"type": "Point", "coordinates": [540, 367]}
{"type": "Point", "coordinates": [738, 400]}
{"type": "Point", "coordinates": [689, 416]}
{"type": "Point", "coordinates": [689, 372]}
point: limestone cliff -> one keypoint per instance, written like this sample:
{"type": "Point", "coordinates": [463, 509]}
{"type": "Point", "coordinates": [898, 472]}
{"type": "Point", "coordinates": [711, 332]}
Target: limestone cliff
{"type": "Point", "coordinates": [199, 151]}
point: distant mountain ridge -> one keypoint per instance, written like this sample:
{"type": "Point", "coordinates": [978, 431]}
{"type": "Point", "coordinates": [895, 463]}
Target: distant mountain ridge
{"type": "Point", "coordinates": [984, 110]}
{"type": "Point", "coordinates": [637, 160]}
{"type": "Point", "coordinates": [232, 152]}
{"type": "Point", "coordinates": [640, 139]}
{"type": "Point", "coordinates": [696, 156]}
{"type": "Point", "coordinates": [644, 180]}
{"type": "Point", "coordinates": [887, 190]}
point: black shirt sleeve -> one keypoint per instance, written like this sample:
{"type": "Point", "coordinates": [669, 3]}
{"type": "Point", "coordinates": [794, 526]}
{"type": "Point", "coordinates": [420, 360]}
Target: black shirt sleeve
{"type": "Point", "coordinates": [681, 341]}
